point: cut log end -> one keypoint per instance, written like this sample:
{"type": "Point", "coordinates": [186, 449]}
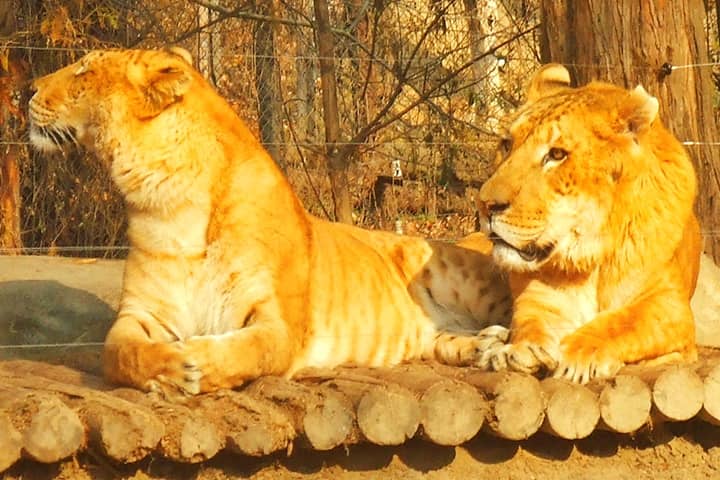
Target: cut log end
{"type": "Point", "coordinates": [625, 403]}
{"type": "Point", "coordinates": [452, 412]}
{"type": "Point", "coordinates": [518, 405]}
{"type": "Point", "coordinates": [678, 393]}
{"type": "Point", "coordinates": [10, 443]}
{"type": "Point", "coordinates": [388, 416]}
{"type": "Point", "coordinates": [322, 417]}
{"type": "Point", "coordinates": [54, 433]}
{"type": "Point", "coordinates": [711, 406]}
{"type": "Point", "coordinates": [199, 441]}
{"type": "Point", "coordinates": [251, 426]}
{"type": "Point", "coordinates": [328, 424]}
{"type": "Point", "coordinates": [256, 440]}
{"type": "Point", "coordinates": [124, 436]}
{"type": "Point", "coordinates": [572, 409]}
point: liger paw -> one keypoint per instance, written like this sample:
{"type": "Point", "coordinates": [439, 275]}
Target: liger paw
{"type": "Point", "coordinates": [181, 373]}
{"type": "Point", "coordinates": [495, 354]}
{"type": "Point", "coordinates": [581, 365]}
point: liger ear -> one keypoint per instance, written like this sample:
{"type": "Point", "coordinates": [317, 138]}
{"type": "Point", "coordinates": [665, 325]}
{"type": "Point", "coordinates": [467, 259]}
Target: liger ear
{"type": "Point", "coordinates": [182, 53]}
{"type": "Point", "coordinates": [640, 111]}
{"type": "Point", "coordinates": [161, 79]}
{"type": "Point", "coordinates": [550, 79]}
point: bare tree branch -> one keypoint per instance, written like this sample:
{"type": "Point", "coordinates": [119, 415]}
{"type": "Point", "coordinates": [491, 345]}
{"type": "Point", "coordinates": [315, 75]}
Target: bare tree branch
{"type": "Point", "coordinates": [378, 123]}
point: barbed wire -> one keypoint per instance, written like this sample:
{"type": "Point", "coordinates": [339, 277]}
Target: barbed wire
{"type": "Point", "coordinates": [26, 346]}
{"type": "Point", "coordinates": [666, 65]}
{"type": "Point", "coordinates": [11, 251]}
{"type": "Point", "coordinates": [323, 144]}
{"type": "Point", "coordinates": [694, 65]}
{"type": "Point", "coordinates": [69, 249]}
{"type": "Point", "coordinates": [691, 143]}
{"type": "Point", "coordinates": [392, 142]}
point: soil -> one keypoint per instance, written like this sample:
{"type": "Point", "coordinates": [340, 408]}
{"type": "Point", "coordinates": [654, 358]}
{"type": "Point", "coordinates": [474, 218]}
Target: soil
{"type": "Point", "coordinates": [682, 451]}
{"type": "Point", "coordinates": [689, 450]}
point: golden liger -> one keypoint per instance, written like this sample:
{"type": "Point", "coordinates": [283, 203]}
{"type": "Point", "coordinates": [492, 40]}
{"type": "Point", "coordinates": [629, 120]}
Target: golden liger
{"type": "Point", "coordinates": [228, 276]}
{"type": "Point", "coordinates": [591, 210]}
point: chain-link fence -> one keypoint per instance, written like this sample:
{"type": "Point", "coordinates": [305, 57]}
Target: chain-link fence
{"type": "Point", "coordinates": [422, 87]}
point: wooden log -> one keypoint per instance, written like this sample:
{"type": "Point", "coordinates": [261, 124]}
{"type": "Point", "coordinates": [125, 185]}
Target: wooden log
{"type": "Point", "coordinates": [677, 390]}
{"type": "Point", "coordinates": [386, 413]}
{"type": "Point", "coordinates": [54, 433]}
{"type": "Point", "coordinates": [10, 443]}
{"type": "Point", "coordinates": [323, 418]}
{"type": "Point", "coordinates": [50, 430]}
{"type": "Point", "coordinates": [572, 410]}
{"type": "Point", "coordinates": [123, 431]}
{"type": "Point", "coordinates": [678, 393]}
{"type": "Point", "coordinates": [451, 412]}
{"type": "Point", "coordinates": [517, 402]}
{"type": "Point", "coordinates": [444, 420]}
{"type": "Point", "coordinates": [625, 403]}
{"type": "Point", "coordinates": [126, 431]}
{"type": "Point", "coordinates": [710, 374]}
{"type": "Point", "coordinates": [251, 426]}
{"type": "Point", "coordinates": [188, 437]}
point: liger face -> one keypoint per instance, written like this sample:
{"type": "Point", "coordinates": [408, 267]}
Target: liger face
{"type": "Point", "coordinates": [550, 196]}
{"type": "Point", "coordinates": [62, 108]}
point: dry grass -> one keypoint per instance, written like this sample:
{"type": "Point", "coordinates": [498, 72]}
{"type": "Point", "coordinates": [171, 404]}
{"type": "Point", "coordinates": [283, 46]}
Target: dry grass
{"type": "Point", "coordinates": [69, 201]}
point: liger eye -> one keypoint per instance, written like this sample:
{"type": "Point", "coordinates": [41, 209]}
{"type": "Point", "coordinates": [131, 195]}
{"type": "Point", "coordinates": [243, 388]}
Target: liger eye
{"type": "Point", "coordinates": [555, 155]}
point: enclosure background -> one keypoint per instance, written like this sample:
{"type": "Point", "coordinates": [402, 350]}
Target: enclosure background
{"type": "Point", "coordinates": [422, 88]}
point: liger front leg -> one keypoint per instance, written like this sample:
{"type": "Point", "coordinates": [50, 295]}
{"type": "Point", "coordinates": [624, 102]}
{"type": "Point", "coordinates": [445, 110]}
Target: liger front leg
{"type": "Point", "coordinates": [140, 352]}
{"type": "Point", "coordinates": [462, 349]}
{"type": "Point", "coordinates": [196, 365]}
{"type": "Point", "coordinates": [660, 326]}
{"type": "Point", "coordinates": [531, 344]}
{"type": "Point", "coordinates": [230, 359]}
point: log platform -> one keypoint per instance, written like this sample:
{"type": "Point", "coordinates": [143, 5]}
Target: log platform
{"type": "Point", "coordinates": [50, 412]}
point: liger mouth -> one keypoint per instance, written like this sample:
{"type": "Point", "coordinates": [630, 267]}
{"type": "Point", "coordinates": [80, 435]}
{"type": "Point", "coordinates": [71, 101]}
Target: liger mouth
{"type": "Point", "coordinates": [530, 253]}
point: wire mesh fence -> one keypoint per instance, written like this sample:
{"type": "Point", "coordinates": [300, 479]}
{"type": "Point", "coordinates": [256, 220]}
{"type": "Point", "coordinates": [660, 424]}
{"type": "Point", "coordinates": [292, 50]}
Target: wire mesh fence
{"type": "Point", "coordinates": [421, 89]}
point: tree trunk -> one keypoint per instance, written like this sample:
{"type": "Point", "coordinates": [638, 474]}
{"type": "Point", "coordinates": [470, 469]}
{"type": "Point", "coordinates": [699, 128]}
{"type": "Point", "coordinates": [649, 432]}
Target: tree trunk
{"type": "Point", "coordinates": [360, 61]}
{"type": "Point", "coordinates": [337, 164]}
{"type": "Point", "coordinates": [11, 83]}
{"type": "Point", "coordinates": [482, 25]}
{"type": "Point", "coordinates": [627, 43]}
{"type": "Point", "coordinates": [361, 70]}
{"type": "Point", "coordinates": [10, 200]}
{"type": "Point", "coordinates": [267, 81]}
{"type": "Point", "coordinates": [305, 120]}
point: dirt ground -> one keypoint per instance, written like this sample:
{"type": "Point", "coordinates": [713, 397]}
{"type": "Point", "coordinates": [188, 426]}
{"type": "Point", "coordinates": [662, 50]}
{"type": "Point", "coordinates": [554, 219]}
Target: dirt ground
{"type": "Point", "coordinates": [681, 452]}
{"type": "Point", "coordinates": [671, 451]}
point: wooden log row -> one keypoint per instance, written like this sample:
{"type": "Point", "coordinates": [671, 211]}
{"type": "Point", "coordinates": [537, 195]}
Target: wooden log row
{"type": "Point", "coordinates": [393, 404]}
{"type": "Point", "coordinates": [126, 425]}
{"type": "Point", "coordinates": [48, 413]}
